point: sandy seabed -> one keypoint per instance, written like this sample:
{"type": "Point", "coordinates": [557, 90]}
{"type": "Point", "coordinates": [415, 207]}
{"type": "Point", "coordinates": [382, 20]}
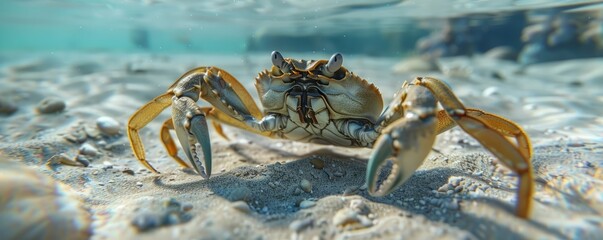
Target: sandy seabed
{"type": "Point", "coordinates": [256, 189]}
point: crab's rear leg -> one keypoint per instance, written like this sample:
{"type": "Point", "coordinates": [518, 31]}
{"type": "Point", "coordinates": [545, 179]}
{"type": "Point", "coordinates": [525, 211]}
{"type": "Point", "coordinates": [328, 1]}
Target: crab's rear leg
{"type": "Point", "coordinates": [141, 118]}
{"type": "Point", "coordinates": [408, 140]}
{"type": "Point", "coordinates": [505, 139]}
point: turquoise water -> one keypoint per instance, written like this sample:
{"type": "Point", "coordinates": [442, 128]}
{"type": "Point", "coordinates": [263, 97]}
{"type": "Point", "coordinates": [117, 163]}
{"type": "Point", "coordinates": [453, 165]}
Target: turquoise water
{"type": "Point", "coordinates": [231, 26]}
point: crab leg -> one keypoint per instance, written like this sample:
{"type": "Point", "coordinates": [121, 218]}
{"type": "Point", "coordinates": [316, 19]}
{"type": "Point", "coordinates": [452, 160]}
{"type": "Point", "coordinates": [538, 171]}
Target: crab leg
{"type": "Point", "coordinates": [507, 141]}
{"type": "Point", "coordinates": [141, 118]}
{"type": "Point", "coordinates": [168, 142]}
{"type": "Point", "coordinates": [408, 140]}
{"type": "Point", "coordinates": [231, 104]}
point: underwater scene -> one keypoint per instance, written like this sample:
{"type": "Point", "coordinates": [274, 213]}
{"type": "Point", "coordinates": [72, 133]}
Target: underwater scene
{"type": "Point", "coordinates": [266, 119]}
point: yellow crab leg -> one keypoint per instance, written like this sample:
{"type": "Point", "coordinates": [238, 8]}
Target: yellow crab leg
{"type": "Point", "coordinates": [502, 125]}
{"type": "Point", "coordinates": [168, 142]}
{"type": "Point", "coordinates": [491, 131]}
{"type": "Point", "coordinates": [141, 118]}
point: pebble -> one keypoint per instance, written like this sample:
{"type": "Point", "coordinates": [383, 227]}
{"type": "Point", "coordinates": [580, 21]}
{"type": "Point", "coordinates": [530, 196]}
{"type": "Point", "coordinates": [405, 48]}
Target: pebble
{"type": "Point", "coordinates": [584, 164]}
{"type": "Point", "coordinates": [83, 160]}
{"type": "Point", "coordinates": [490, 91]}
{"type": "Point", "coordinates": [170, 214]}
{"type": "Point", "coordinates": [107, 165]}
{"type": "Point", "coordinates": [128, 171]}
{"type": "Point", "coordinates": [77, 135]}
{"type": "Point", "coordinates": [306, 185]}
{"type": "Point", "coordinates": [317, 163]}
{"type": "Point", "coordinates": [51, 105]}
{"type": "Point", "coordinates": [139, 184]}
{"type": "Point", "coordinates": [147, 221]}
{"type": "Point", "coordinates": [241, 206]}
{"type": "Point", "coordinates": [89, 150]}
{"type": "Point", "coordinates": [455, 181]}
{"type": "Point", "coordinates": [301, 224]}
{"type": "Point", "coordinates": [444, 188]}
{"type": "Point", "coordinates": [108, 125]}
{"type": "Point", "coordinates": [307, 204]}
{"type": "Point", "coordinates": [6, 107]}
{"type": "Point", "coordinates": [453, 205]}
{"type": "Point", "coordinates": [187, 207]}
{"type": "Point", "coordinates": [350, 191]}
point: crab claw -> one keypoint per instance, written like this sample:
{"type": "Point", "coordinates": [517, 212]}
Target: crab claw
{"type": "Point", "coordinates": [407, 140]}
{"type": "Point", "coordinates": [191, 128]}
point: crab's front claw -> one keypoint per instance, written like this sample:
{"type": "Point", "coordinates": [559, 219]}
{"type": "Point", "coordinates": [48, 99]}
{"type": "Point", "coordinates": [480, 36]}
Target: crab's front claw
{"type": "Point", "coordinates": [407, 140]}
{"type": "Point", "coordinates": [408, 145]}
{"type": "Point", "coordinates": [191, 128]}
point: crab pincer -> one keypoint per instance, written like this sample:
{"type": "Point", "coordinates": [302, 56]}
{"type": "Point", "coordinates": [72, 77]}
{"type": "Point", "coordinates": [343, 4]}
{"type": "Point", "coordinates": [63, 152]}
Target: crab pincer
{"type": "Point", "coordinates": [191, 128]}
{"type": "Point", "coordinates": [406, 141]}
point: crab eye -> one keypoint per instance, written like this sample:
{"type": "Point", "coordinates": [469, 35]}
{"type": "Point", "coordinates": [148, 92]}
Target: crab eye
{"type": "Point", "coordinates": [277, 59]}
{"type": "Point", "coordinates": [333, 64]}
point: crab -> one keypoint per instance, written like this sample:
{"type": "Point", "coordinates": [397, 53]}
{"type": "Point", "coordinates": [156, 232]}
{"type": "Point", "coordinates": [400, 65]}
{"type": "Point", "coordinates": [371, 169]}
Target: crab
{"type": "Point", "coordinates": [322, 102]}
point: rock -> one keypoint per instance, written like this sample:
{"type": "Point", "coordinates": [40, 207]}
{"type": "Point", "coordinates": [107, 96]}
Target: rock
{"type": "Point", "coordinates": [51, 105]}
{"type": "Point", "coordinates": [317, 163]}
{"type": "Point", "coordinates": [35, 206]}
{"type": "Point", "coordinates": [108, 126]}
{"type": "Point", "coordinates": [154, 216]}
{"type": "Point", "coordinates": [6, 107]}
{"type": "Point", "coordinates": [147, 221]}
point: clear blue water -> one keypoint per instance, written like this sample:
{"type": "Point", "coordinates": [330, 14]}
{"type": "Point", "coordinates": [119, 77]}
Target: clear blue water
{"type": "Point", "coordinates": [234, 26]}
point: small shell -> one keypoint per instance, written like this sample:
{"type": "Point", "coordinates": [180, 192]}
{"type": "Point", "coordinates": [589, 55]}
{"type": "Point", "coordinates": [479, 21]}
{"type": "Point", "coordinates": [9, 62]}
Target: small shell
{"type": "Point", "coordinates": [306, 185]}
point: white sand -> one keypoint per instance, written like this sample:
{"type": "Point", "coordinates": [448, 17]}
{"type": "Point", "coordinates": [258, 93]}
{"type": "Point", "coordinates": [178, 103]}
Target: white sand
{"type": "Point", "coordinates": [559, 104]}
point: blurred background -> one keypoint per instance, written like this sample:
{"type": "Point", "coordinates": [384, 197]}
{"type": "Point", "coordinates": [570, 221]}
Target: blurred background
{"type": "Point", "coordinates": [524, 30]}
